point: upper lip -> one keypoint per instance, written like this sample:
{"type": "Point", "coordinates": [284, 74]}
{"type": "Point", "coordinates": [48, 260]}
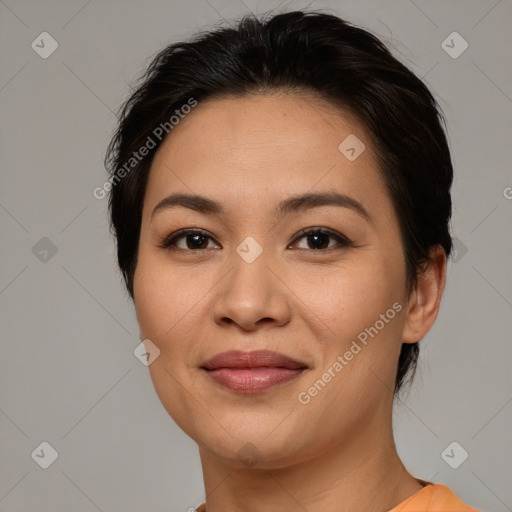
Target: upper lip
{"type": "Point", "coordinates": [252, 359]}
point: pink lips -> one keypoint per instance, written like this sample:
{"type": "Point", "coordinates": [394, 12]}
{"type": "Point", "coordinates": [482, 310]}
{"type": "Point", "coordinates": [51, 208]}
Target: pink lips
{"type": "Point", "coordinates": [251, 372]}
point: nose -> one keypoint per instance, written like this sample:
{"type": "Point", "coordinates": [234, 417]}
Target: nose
{"type": "Point", "coordinates": [251, 296]}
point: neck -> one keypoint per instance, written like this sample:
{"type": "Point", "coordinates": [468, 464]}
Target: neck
{"type": "Point", "coordinates": [365, 475]}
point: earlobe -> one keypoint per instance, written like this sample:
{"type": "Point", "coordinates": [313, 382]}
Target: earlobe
{"type": "Point", "coordinates": [425, 299]}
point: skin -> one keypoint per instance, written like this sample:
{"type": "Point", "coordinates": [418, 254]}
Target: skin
{"type": "Point", "coordinates": [249, 153]}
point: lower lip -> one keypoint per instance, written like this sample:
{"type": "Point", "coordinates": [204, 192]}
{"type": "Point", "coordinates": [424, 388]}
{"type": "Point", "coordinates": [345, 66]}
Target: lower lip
{"type": "Point", "coordinates": [253, 380]}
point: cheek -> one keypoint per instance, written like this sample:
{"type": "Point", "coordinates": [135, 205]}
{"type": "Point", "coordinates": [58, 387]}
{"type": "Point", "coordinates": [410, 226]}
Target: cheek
{"type": "Point", "coordinates": [352, 295]}
{"type": "Point", "coordinates": [166, 314]}
{"type": "Point", "coordinates": [361, 303]}
{"type": "Point", "coordinates": [165, 300]}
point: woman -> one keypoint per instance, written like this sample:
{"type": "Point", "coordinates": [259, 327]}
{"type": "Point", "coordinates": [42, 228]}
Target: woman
{"type": "Point", "coordinates": [280, 195]}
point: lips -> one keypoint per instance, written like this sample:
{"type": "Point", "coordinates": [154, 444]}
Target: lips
{"type": "Point", "coordinates": [251, 372]}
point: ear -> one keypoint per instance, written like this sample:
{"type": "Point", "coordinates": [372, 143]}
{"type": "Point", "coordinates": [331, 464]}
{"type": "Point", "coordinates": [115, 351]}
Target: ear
{"type": "Point", "coordinates": [424, 302]}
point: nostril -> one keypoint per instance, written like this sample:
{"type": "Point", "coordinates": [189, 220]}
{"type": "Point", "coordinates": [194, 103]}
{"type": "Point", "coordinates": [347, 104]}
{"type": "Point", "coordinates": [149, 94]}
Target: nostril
{"type": "Point", "coordinates": [264, 320]}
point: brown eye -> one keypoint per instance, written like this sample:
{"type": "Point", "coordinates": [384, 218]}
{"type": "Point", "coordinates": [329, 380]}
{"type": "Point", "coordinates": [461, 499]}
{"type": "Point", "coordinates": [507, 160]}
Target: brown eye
{"type": "Point", "coordinates": [187, 239]}
{"type": "Point", "coordinates": [319, 239]}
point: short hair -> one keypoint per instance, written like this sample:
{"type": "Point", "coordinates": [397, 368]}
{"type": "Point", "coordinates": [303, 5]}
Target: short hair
{"type": "Point", "coordinates": [297, 51]}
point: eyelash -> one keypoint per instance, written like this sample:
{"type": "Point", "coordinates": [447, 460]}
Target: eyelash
{"type": "Point", "coordinates": [169, 242]}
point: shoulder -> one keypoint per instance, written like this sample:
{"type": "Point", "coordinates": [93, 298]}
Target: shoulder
{"type": "Point", "coordinates": [434, 498]}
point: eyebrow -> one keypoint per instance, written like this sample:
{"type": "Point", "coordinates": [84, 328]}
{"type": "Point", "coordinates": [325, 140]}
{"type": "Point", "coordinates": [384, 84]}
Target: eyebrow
{"type": "Point", "coordinates": [292, 204]}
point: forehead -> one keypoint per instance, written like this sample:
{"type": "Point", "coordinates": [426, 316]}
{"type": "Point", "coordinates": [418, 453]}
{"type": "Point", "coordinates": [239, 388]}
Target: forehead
{"type": "Point", "coordinates": [259, 147]}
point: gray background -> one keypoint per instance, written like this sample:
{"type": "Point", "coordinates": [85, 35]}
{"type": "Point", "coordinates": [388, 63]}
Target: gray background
{"type": "Point", "coordinates": [68, 375]}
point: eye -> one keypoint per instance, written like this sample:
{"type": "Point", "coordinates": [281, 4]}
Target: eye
{"type": "Point", "coordinates": [318, 239]}
{"type": "Point", "coordinates": [187, 239]}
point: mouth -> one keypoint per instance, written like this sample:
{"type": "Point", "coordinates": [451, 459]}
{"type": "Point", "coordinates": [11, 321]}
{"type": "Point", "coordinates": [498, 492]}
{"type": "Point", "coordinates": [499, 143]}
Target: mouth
{"type": "Point", "coordinates": [252, 372]}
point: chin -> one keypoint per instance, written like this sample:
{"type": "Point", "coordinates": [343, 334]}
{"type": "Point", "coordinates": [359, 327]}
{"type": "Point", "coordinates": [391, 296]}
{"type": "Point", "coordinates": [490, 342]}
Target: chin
{"type": "Point", "coordinates": [255, 448]}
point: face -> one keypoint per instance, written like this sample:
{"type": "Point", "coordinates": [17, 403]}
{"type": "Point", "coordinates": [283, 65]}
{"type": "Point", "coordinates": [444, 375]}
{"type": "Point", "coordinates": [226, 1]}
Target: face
{"type": "Point", "coordinates": [277, 301]}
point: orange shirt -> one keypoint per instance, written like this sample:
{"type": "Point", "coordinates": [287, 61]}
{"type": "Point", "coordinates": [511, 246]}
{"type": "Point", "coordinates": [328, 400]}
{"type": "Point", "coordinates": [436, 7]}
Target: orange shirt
{"type": "Point", "coordinates": [432, 498]}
